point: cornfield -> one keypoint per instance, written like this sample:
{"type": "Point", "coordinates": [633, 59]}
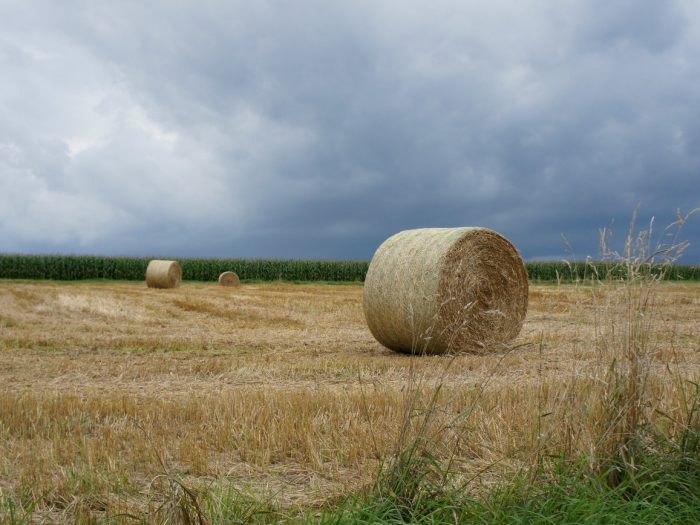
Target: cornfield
{"type": "Point", "coordinates": [580, 271]}
{"type": "Point", "coordinates": [78, 267]}
{"type": "Point", "coordinates": [82, 267]}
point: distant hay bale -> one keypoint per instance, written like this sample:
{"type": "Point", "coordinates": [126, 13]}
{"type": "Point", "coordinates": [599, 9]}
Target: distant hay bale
{"type": "Point", "coordinates": [229, 279]}
{"type": "Point", "coordinates": [163, 274]}
{"type": "Point", "coordinates": [445, 290]}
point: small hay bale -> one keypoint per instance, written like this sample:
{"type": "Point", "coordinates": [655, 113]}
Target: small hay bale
{"type": "Point", "coordinates": [229, 279]}
{"type": "Point", "coordinates": [445, 290]}
{"type": "Point", "coordinates": [163, 274]}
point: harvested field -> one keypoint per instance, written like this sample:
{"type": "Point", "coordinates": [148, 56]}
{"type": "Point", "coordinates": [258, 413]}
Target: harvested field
{"type": "Point", "coordinates": [281, 391]}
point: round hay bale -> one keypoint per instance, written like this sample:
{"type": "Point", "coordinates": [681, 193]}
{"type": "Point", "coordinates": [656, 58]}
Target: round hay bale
{"type": "Point", "coordinates": [163, 274]}
{"type": "Point", "coordinates": [229, 279]}
{"type": "Point", "coordinates": [445, 290]}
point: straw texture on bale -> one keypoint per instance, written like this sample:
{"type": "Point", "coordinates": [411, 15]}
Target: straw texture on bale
{"type": "Point", "coordinates": [163, 274]}
{"type": "Point", "coordinates": [445, 290]}
{"type": "Point", "coordinates": [229, 279]}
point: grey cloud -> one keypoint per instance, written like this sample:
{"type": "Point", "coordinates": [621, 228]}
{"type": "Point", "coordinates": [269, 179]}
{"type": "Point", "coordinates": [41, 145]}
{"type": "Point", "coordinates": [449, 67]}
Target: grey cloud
{"type": "Point", "coordinates": [317, 129]}
{"type": "Point", "coordinates": [654, 26]}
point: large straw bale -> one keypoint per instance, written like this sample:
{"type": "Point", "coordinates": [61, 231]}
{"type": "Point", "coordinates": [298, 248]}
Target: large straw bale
{"type": "Point", "coordinates": [229, 279]}
{"type": "Point", "coordinates": [445, 290]}
{"type": "Point", "coordinates": [163, 274]}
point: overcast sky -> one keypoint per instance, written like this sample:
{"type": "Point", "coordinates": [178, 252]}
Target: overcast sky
{"type": "Point", "coordinates": [316, 129]}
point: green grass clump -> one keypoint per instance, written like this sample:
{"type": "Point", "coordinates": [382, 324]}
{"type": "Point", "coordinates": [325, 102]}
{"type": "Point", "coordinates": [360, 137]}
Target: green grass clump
{"type": "Point", "coordinates": [664, 494]}
{"type": "Point", "coordinates": [572, 495]}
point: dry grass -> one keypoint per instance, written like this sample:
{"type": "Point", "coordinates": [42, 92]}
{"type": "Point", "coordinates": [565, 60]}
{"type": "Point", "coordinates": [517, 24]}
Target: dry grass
{"type": "Point", "coordinates": [281, 389]}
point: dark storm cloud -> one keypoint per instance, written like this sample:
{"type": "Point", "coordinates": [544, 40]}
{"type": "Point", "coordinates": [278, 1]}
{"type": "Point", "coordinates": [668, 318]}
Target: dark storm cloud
{"type": "Point", "coordinates": [317, 129]}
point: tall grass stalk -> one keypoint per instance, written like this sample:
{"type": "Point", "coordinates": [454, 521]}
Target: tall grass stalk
{"type": "Point", "coordinates": [626, 310]}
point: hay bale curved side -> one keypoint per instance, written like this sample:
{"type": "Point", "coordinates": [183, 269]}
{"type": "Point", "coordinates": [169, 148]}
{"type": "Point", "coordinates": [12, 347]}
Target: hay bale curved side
{"type": "Point", "coordinates": [445, 290]}
{"type": "Point", "coordinates": [229, 279]}
{"type": "Point", "coordinates": [163, 274]}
